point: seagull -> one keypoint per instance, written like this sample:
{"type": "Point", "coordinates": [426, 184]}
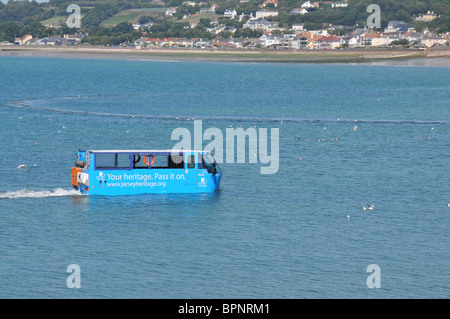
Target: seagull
{"type": "Point", "coordinates": [369, 207]}
{"type": "Point", "coordinates": [22, 166]}
{"type": "Point", "coordinates": [354, 128]}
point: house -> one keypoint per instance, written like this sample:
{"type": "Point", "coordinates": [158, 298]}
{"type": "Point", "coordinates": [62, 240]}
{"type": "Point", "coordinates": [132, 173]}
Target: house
{"type": "Point", "coordinates": [299, 11]}
{"type": "Point", "coordinates": [339, 5]}
{"type": "Point", "coordinates": [168, 42]}
{"type": "Point", "coordinates": [326, 42]}
{"type": "Point", "coordinates": [189, 3]}
{"type": "Point", "coordinates": [301, 43]}
{"type": "Point", "coordinates": [170, 11]}
{"type": "Point", "coordinates": [230, 14]}
{"type": "Point", "coordinates": [270, 40]}
{"type": "Point", "coordinates": [136, 26]}
{"type": "Point", "coordinates": [261, 25]}
{"type": "Point", "coordinates": [349, 41]}
{"type": "Point", "coordinates": [216, 29]}
{"type": "Point", "coordinates": [264, 13]}
{"type": "Point", "coordinates": [274, 2]}
{"type": "Point", "coordinates": [148, 42]}
{"type": "Point", "coordinates": [23, 40]}
{"type": "Point", "coordinates": [287, 41]}
{"type": "Point", "coordinates": [429, 16]}
{"type": "Point", "coordinates": [398, 26]}
{"type": "Point", "coordinates": [75, 38]}
{"type": "Point", "coordinates": [430, 41]}
{"type": "Point", "coordinates": [53, 41]}
{"type": "Point", "coordinates": [309, 5]}
{"type": "Point", "coordinates": [297, 27]}
{"type": "Point", "coordinates": [405, 28]}
{"type": "Point", "coordinates": [374, 39]}
{"type": "Point", "coordinates": [206, 10]}
{"type": "Point", "coordinates": [414, 36]}
{"type": "Point", "coordinates": [184, 43]}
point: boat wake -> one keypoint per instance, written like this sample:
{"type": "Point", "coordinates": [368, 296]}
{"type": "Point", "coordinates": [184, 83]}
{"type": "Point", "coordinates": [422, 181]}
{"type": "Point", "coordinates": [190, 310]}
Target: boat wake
{"type": "Point", "coordinates": [25, 193]}
{"type": "Point", "coordinates": [29, 104]}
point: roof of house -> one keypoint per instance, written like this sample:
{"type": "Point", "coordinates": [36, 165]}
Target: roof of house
{"type": "Point", "coordinates": [325, 38]}
{"type": "Point", "coordinates": [373, 35]}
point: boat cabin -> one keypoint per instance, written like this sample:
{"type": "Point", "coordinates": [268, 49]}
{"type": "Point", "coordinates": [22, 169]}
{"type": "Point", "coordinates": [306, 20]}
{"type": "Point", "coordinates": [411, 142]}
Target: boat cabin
{"type": "Point", "coordinates": [122, 172]}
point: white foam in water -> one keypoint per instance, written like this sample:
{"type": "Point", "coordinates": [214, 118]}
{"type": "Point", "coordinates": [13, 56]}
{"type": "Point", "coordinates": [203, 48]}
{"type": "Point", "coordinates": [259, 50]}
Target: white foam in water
{"type": "Point", "coordinates": [25, 193]}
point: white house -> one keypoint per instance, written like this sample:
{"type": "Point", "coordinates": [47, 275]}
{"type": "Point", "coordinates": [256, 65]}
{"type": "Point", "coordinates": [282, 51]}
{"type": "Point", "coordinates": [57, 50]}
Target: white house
{"type": "Point", "coordinates": [349, 41]}
{"type": "Point", "coordinates": [339, 5]}
{"type": "Point", "coordinates": [230, 14]}
{"type": "Point", "coordinates": [264, 13]}
{"type": "Point", "coordinates": [299, 11]}
{"type": "Point", "coordinates": [307, 5]}
{"type": "Point", "coordinates": [297, 27]}
{"type": "Point", "coordinates": [170, 11]}
{"type": "Point", "coordinates": [261, 25]}
{"type": "Point", "coordinates": [189, 3]}
{"type": "Point", "coordinates": [267, 40]}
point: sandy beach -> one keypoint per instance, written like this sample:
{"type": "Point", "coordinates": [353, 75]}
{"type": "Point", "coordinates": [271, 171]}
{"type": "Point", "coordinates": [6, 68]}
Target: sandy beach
{"type": "Point", "coordinates": [429, 57]}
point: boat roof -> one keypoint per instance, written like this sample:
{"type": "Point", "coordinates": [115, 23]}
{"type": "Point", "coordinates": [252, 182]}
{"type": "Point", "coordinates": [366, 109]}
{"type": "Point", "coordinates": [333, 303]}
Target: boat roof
{"type": "Point", "coordinates": [147, 151]}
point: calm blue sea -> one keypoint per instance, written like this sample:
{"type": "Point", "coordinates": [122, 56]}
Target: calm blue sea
{"type": "Point", "coordinates": [349, 135]}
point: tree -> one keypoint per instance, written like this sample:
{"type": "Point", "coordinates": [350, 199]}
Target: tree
{"type": "Point", "coordinates": [9, 30]}
{"type": "Point", "coordinates": [402, 15]}
{"type": "Point", "coordinates": [122, 28]}
{"type": "Point", "coordinates": [145, 19]}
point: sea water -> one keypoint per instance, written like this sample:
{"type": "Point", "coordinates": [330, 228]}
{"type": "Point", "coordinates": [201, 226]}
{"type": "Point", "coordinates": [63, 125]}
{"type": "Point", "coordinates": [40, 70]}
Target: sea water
{"type": "Point", "coordinates": [349, 135]}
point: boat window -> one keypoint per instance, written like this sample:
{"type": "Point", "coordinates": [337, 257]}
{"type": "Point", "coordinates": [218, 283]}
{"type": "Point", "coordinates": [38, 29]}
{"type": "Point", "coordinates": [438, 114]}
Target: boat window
{"type": "Point", "coordinates": [206, 161]}
{"type": "Point", "coordinates": [191, 161]}
{"type": "Point", "coordinates": [105, 160]}
{"type": "Point", "coordinates": [112, 161]}
{"type": "Point", "coordinates": [123, 160]}
{"type": "Point", "coordinates": [160, 161]}
{"type": "Point", "coordinates": [176, 161]}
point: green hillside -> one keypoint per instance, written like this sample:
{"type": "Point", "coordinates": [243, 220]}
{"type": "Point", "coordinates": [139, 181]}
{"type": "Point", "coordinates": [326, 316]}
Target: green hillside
{"type": "Point", "coordinates": [100, 17]}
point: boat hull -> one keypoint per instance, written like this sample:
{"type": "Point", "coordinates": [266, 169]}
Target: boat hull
{"type": "Point", "coordinates": [150, 182]}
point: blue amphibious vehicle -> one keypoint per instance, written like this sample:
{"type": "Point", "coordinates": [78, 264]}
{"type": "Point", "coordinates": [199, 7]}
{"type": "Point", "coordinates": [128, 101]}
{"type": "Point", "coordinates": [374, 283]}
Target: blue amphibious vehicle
{"type": "Point", "coordinates": [126, 172]}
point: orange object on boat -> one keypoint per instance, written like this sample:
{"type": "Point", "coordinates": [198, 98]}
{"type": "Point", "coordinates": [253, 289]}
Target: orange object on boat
{"type": "Point", "coordinates": [75, 171]}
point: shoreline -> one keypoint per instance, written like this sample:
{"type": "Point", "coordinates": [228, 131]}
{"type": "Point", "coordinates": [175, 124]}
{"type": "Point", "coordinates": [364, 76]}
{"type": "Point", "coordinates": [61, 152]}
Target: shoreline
{"type": "Point", "coordinates": [429, 57]}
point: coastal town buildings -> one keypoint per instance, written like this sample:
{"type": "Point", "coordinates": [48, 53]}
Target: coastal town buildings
{"type": "Point", "coordinates": [290, 34]}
